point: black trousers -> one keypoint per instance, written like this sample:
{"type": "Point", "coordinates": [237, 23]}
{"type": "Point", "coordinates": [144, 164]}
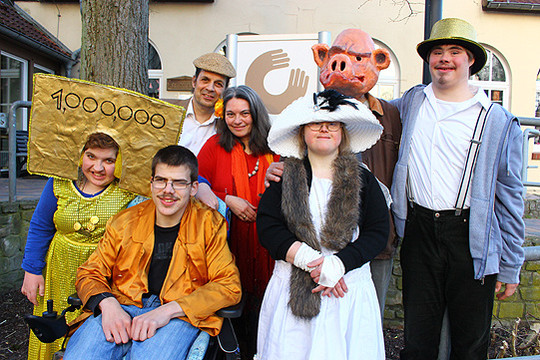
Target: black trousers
{"type": "Point", "coordinates": [438, 273]}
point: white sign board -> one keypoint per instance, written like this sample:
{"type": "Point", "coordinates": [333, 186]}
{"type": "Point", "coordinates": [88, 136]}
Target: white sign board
{"type": "Point", "coordinates": [280, 68]}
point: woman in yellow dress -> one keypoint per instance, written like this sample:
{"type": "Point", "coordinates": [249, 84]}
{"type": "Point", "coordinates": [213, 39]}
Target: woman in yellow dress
{"type": "Point", "coordinates": [66, 226]}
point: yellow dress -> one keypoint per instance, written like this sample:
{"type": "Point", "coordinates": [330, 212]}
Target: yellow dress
{"type": "Point", "coordinates": [70, 248]}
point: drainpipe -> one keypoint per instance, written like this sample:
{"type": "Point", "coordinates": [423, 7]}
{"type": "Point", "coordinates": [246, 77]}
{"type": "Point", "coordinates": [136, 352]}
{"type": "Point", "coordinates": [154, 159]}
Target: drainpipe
{"type": "Point", "coordinates": [12, 147]}
{"type": "Point", "coordinates": [74, 59]}
{"type": "Point", "coordinates": [433, 13]}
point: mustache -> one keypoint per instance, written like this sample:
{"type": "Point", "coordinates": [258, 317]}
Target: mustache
{"type": "Point", "coordinates": [168, 197]}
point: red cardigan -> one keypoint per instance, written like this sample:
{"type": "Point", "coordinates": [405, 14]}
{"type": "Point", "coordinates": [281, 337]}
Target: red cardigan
{"type": "Point", "coordinates": [215, 166]}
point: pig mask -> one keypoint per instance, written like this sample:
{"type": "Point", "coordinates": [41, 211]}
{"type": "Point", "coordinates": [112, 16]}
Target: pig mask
{"type": "Point", "coordinates": [352, 65]}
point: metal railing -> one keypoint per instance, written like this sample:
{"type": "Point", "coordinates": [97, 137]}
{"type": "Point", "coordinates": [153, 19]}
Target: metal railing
{"type": "Point", "coordinates": [532, 253]}
{"type": "Point", "coordinates": [529, 133]}
{"type": "Point", "coordinates": [12, 146]}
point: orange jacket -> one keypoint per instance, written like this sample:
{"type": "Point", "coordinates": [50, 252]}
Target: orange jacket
{"type": "Point", "coordinates": [202, 275]}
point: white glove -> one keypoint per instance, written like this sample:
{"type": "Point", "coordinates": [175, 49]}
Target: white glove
{"type": "Point", "coordinates": [332, 270]}
{"type": "Point", "coordinates": [305, 255]}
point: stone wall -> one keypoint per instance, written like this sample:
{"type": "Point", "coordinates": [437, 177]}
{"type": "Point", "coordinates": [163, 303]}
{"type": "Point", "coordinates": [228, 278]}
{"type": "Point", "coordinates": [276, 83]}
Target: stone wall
{"type": "Point", "coordinates": [14, 222]}
{"type": "Point", "coordinates": [393, 311]}
{"type": "Point", "coordinates": [525, 303]}
{"type": "Point", "coordinates": [532, 207]}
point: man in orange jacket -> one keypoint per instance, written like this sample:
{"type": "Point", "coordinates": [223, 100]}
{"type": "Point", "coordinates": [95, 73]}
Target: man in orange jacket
{"type": "Point", "coordinates": [160, 272]}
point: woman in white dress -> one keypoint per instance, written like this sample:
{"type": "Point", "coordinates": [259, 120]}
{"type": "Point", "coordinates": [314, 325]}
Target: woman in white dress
{"type": "Point", "coordinates": [322, 224]}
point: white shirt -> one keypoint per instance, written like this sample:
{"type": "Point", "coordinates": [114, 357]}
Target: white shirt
{"type": "Point", "coordinates": [194, 134]}
{"type": "Point", "coordinates": [319, 196]}
{"type": "Point", "coordinates": [439, 146]}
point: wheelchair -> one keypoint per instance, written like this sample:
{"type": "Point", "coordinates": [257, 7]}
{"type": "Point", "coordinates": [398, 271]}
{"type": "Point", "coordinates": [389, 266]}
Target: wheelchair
{"type": "Point", "coordinates": [51, 326]}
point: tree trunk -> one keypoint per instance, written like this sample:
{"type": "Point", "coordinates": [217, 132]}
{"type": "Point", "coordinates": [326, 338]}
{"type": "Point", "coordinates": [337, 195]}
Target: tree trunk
{"type": "Point", "coordinates": [114, 48]}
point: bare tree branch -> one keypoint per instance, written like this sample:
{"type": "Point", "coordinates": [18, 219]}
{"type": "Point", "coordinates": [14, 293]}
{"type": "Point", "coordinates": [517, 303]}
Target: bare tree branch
{"type": "Point", "coordinates": [406, 8]}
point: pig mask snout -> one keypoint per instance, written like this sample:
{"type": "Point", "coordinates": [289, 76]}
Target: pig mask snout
{"type": "Point", "coordinates": [340, 63]}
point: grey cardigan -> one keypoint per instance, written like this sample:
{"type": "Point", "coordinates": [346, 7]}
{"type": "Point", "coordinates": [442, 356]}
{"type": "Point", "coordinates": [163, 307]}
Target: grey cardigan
{"type": "Point", "coordinates": [496, 227]}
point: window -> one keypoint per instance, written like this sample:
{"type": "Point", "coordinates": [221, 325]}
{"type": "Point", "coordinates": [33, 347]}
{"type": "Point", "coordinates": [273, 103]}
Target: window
{"type": "Point", "coordinates": [155, 72]}
{"type": "Point", "coordinates": [14, 82]}
{"type": "Point", "coordinates": [493, 78]}
{"type": "Point", "coordinates": [387, 87]}
{"type": "Point", "coordinates": [38, 69]}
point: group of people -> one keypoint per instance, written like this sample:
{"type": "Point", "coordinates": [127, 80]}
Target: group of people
{"type": "Point", "coordinates": [317, 198]}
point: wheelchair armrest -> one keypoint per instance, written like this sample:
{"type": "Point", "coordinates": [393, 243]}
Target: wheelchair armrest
{"type": "Point", "coordinates": [234, 311]}
{"type": "Point", "coordinates": [74, 300]}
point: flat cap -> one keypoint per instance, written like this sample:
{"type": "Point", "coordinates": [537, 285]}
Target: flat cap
{"type": "Point", "coordinates": [215, 63]}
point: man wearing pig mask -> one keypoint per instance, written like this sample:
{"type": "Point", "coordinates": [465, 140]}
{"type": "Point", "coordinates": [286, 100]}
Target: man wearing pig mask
{"type": "Point", "coordinates": [351, 66]}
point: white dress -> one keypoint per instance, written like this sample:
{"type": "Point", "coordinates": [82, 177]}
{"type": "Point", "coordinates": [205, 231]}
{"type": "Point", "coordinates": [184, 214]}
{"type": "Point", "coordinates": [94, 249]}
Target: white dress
{"type": "Point", "coordinates": [346, 328]}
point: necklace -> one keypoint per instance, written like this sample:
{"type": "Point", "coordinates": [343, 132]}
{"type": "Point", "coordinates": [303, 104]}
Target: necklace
{"type": "Point", "coordinates": [255, 170]}
{"type": "Point", "coordinates": [92, 222]}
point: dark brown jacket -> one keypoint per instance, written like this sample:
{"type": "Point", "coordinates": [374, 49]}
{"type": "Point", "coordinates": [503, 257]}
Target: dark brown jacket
{"type": "Point", "coordinates": [381, 158]}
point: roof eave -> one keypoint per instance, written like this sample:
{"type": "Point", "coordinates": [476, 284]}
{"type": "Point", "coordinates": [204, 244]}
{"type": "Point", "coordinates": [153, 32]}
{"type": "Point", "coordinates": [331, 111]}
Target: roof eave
{"type": "Point", "coordinates": [494, 5]}
{"type": "Point", "coordinates": [65, 58]}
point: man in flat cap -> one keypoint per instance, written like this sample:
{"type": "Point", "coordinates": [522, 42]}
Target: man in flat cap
{"type": "Point", "coordinates": [212, 75]}
{"type": "Point", "coordinates": [458, 202]}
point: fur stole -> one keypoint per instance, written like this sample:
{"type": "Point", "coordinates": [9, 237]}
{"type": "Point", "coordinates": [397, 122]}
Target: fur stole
{"type": "Point", "coordinates": [340, 221]}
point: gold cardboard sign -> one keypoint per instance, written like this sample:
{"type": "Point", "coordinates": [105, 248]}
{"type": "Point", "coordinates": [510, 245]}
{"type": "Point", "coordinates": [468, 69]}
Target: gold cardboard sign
{"type": "Point", "coordinates": [66, 111]}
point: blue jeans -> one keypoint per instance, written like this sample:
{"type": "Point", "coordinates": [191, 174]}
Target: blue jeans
{"type": "Point", "coordinates": [170, 342]}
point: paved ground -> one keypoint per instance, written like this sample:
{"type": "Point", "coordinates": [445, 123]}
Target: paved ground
{"type": "Point", "coordinates": [30, 187]}
{"type": "Point", "coordinates": [532, 227]}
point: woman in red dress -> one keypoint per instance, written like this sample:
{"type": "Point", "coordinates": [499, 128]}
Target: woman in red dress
{"type": "Point", "coordinates": [235, 161]}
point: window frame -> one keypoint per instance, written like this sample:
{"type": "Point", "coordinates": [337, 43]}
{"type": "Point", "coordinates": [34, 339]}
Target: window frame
{"type": "Point", "coordinates": [491, 85]}
{"type": "Point", "coordinates": [23, 120]}
{"type": "Point", "coordinates": [395, 82]}
{"type": "Point", "coordinates": [156, 74]}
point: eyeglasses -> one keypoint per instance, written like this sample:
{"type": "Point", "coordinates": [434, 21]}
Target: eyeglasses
{"type": "Point", "coordinates": [161, 183]}
{"type": "Point", "coordinates": [331, 126]}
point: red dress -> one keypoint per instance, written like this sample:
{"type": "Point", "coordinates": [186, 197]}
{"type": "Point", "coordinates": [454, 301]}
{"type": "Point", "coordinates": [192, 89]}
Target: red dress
{"type": "Point", "coordinates": [253, 261]}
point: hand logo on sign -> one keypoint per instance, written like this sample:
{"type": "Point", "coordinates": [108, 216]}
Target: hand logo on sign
{"type": "Point", "coordinates": [264, 64]}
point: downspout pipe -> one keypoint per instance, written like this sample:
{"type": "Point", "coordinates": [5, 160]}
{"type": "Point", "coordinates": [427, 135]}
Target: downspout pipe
{"type": "Point", "coordinates": [433, 13]}
{"type": "Point", "coordinates": [74, 59]}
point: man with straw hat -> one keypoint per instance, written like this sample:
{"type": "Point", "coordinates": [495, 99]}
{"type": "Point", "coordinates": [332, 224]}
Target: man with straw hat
{"type": "Point", "coordinates": [457, 199]}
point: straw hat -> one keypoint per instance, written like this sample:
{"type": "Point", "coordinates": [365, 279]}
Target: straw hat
{"type": "Point", "coordinates": [328, 106]}
{"type": "Point", "coordinates": [215, 63]}
{"type": "Point", "coordinates": [454, 31]}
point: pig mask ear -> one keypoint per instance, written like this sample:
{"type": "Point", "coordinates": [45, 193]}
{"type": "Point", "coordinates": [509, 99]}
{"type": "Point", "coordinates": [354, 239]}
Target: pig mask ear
{"type": "Point", "coordinates": [320, 52]}
{"type": "Point", "coordinates": [381, 58]}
